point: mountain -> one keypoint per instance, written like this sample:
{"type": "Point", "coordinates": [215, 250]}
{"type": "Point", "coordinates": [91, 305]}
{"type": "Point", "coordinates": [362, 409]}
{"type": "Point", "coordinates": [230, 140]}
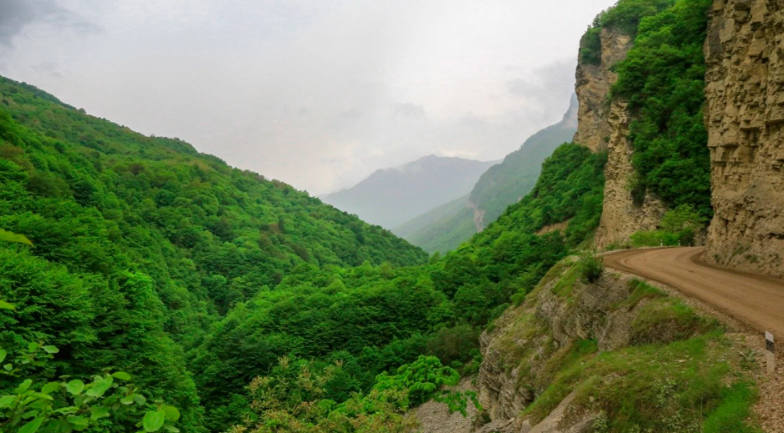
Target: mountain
{"type": "Point", "coordinates": [240, 301]}
{"type": "Point", "coordinates": [446, 227]}
{"type": "Point", "coordinates": [141, 243]}
{"type": "Point", "coordinates": [392, 196]}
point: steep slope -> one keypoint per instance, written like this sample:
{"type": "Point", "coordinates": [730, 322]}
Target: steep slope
{"type": "Point", "coordinates": [615, 355]}
{"type": "Point", "coordinates": [744, 117]}
{"type": "Point", "coordinates": [392, 196]}
{"type": "Point", "coordinates": [141, 242]}
{"type": "Point", "coordinates": [500, 186]}
{"type": "Point", "coordinates": [509, 181]}
{"type": "Point", "coordinates": [375, 319]}
{"type": "Point", "coordinates": [640, 83]}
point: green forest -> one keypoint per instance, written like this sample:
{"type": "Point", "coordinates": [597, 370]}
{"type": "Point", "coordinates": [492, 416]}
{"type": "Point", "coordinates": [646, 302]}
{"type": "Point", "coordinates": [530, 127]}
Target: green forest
{"type": "Point", "coordinates": [226, 301]}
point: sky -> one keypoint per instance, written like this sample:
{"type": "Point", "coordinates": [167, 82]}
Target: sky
{"type": "Point", "coordinates": [317, 93]}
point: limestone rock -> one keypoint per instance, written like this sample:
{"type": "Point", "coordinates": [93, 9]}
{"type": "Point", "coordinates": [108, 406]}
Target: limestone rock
{"type": "Point", "coordinates": [593, 86]}
{"type": "Point", "coordinates": [604, 125]}
{"type": "Point", "coordinates": [744, 116]}
{"type": "Point", "coordinates": [621, 215]}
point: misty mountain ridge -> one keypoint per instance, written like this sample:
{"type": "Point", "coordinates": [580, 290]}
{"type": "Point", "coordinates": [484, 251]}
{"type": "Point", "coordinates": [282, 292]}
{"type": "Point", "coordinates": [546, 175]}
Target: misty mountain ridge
{"type": "Point", "coordinates": [392, 196]}
{"type": "Point", "coordinates": [445, 227]}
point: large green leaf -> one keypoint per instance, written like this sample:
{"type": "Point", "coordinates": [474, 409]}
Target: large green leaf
{"type": "Point", "coordinates": [122, 375]}
{"type": "Point", "coordinates": [32, 426]}
{"type": "Point", "coordinates": [98, 412]}
{"type": "Point", "coordinates": [153, 420]}
{"type": "Point", "coordinates": [7, 401]}
{"type": "Point", "coordinates": [6, 306]}
{"type": "Point", "coordinates": [100, 387]}
{"type": "Point", "coordinates": [13, 237]}
{"type": "Point", "coordinates": [172, 414]}
{"type": "Point", "coordinates": [75, 387]}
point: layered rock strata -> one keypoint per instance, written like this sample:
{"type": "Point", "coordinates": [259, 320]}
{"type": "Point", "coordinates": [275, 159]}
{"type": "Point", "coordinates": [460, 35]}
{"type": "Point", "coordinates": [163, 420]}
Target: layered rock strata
{"type": "Point", "coordinates": [744, 116]}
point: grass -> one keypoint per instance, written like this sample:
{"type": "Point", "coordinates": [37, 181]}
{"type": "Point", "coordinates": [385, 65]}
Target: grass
{"type": "Point", "coordinates": [678, 387]}
{"type": "Point", "coordinates": [677, 376]}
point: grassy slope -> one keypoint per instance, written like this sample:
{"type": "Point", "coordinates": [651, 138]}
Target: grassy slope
{"type": "Point", "coordinates": [681, 373]}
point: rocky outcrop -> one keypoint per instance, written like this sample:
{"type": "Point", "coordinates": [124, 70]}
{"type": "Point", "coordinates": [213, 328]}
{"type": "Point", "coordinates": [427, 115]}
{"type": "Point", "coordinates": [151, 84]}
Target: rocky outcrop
{"type": "Point", "coordinates": [745, 120]}
{"type": "Point", "coordinates": [593, 86]}
{"type": "Point", "coordinates": [479, 216]}
{"type": "Point", "coordinates": [524, 345]}
{"type": "Point", "coordinates": [603, 125]}
{"type": "Point", "coordinates": [622, 216]}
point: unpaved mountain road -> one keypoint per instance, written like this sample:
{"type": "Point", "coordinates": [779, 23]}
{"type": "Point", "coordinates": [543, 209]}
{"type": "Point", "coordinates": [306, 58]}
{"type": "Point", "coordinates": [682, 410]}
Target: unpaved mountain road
{"type": "Point", "coordinates": [755, 300]}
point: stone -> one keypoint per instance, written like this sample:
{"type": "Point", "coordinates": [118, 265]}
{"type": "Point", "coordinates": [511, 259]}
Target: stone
{"type": "Point", "coordinates": [744, 117]}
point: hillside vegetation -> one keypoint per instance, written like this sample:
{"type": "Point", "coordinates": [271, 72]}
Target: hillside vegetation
{"type": "Point", "coordinates": [250, 305]}
{"type": "Point", "coordinates": [141, 243]}
{"type": "Point", "coordinates": [446, 227]}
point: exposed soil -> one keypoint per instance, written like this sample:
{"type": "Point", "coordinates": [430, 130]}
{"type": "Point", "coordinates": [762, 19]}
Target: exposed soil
{"type": "Point", "coordinates": [754, 300]}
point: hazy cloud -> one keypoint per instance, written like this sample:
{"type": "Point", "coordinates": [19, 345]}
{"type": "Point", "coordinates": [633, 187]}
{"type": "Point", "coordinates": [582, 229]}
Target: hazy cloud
{"type": "Point", "coordinates": [409, 110]}
{"type": "Point", "coordinates": [318, 93]}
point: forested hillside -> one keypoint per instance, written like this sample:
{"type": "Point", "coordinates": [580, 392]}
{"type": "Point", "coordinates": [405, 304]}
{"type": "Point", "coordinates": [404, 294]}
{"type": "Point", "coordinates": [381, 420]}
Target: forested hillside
{"type": "Point", "coordinates": [250, 305]}
{"type": "Point", "coordinates": [140, 243]}
{"type": "Point", "coordinates": [445, 228]}
{"type": "Point", "coordinates": [373, 319]}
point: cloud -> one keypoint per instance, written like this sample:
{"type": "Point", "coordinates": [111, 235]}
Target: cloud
{"type": "Point", "coordinates": [16, 14]}
{"type": "Point", "coordinates": [409, 110]}
{"type": "Point", "coordinates": [317, 93]}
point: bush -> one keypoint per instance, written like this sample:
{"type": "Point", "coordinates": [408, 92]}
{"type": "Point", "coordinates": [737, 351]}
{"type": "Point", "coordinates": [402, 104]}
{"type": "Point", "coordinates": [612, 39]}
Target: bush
{"type": "Point", "coordinates": [591, 267]}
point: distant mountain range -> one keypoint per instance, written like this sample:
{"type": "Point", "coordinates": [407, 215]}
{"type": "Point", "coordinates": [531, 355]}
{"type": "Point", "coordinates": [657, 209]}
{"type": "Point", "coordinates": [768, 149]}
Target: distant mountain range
{"type": "Point", "coordinates": [392, 196]}
{"type": "Point", "coordinates": [446, 226]}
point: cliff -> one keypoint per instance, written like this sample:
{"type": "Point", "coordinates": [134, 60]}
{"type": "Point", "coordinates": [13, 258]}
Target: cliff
{"type": "Point", "coordinates": [594, 81]}
{"type": "Point", "coordinates": [744, 117]}
{"type": "Point", "coordinates": [576, 356]}
{"type": "Point", "coordinates": [603, 125]}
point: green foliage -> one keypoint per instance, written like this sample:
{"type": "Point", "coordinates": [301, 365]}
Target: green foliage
{"type": "Point", "coordinates": [108, 402]}
{"type": "Point", "coordinates": [141, 243]}
{"type": "Point", "coordinates": [678, 228]}
{"type": "Point", "coordinates": [591, 267]}
{"type": "Point", "coordinates": [591, 47]}
{"type": "Point", "coordinates": [376, 318]}
{"type": "Point", "coordinates": [7, 236]}
{"type": "Point", "coordinates": [663, 79]}
{"type": "Point", "coordinates": [624, 17]}
{"type": "Point", "coordinates": [292, 399]}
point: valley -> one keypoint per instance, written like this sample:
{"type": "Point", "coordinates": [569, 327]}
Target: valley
{"type": "Point", "coordinates": [147, 285]}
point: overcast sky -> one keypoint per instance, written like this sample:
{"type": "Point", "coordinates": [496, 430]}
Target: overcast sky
{"type": "Point", "coordinates": [318, 93]}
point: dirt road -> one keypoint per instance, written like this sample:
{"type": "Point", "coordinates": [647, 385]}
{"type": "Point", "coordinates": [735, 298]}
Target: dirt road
{"type": "Point", "coordinates": [756, 301]}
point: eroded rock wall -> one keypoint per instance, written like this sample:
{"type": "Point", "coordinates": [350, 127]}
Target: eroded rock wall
{"type": "Point", "coordinates": [744, 117]}
{"type": "Point", "coordinates": [604, 125]}
{"type": "Point", "coordinates": [621, 215]}
{"type": "Point", "coordinates": [593, 86]}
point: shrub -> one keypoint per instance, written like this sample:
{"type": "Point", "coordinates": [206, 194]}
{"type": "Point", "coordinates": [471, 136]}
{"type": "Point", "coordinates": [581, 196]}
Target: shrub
{"type": "Point", "coordinates": [591, 267]}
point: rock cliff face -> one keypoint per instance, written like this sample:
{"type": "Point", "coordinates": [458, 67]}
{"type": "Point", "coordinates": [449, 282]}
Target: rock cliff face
{"type": "Point", "coordinates": [621, 215]}
{"type": "Point", "coordinates": [744, 117]}
{"type": "Point", "coordinates": [593, 86]}
{"type": "Point", "coordinates": [604, 125]}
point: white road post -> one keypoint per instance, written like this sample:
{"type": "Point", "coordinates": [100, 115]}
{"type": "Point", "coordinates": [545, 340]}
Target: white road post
{"type": "Point", "coordinates": [770, 356]}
